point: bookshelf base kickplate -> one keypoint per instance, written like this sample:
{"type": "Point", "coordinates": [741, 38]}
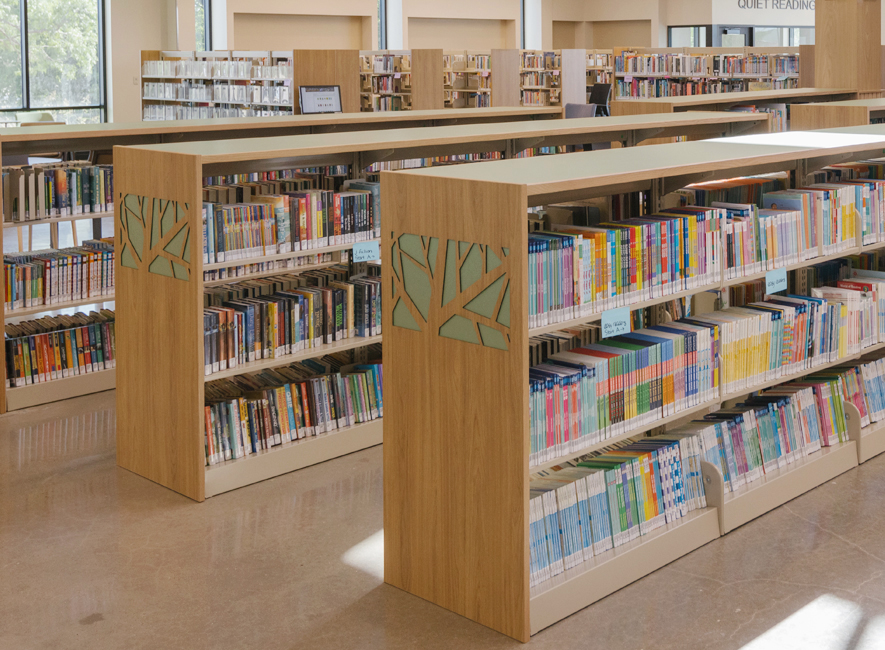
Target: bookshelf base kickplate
{"type": "Point", "coordinates": [783, 485]}
{"type": "Point", "coordinates": [291, 456]}
{"type": "Point", "coordinates": [871, 442]}
{"type": "Point", "coordinates": [54, 391]}
{"type": "Point", "coordinates": [605, 574]}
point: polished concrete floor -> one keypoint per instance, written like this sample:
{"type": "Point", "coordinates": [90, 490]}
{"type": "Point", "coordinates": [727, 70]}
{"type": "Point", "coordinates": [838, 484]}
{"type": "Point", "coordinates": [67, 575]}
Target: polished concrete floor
{"type": "Point", "coordinates": [94, 557]}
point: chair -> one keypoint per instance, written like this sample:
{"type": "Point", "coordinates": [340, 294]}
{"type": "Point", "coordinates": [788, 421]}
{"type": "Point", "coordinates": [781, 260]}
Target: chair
{"type": "Point", "coordinates": [600, 94]}
{"type": "Point", "coordinates": [35, 116]}
{"type": "Point", "coordinates": [574, 111]}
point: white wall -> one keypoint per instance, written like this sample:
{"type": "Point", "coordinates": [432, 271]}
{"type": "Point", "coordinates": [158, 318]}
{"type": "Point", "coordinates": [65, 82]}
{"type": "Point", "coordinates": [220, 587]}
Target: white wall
{"type": "Point", "coordinates": [134, 26]}
{"type": "Point", "coordinates": [314, 21]}
{"type": "Point", "coordinates": [499, 17]}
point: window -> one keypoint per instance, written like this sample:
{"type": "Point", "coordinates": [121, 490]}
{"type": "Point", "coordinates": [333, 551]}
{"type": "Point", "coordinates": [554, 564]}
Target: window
{"type": "Point", "coordinates": [382, 24]}
{"type": "Point", "coordinates": [52, 60]}
{"type": "Point", "coordinates": [203, 15]}
{"type": "Point", "coordinates": [689, 36]}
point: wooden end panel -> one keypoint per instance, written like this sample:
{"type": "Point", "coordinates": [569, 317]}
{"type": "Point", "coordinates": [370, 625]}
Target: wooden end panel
{"type": "Point", "coordinates": [805, 117]}
{"type": "Point", "coordinates": [639, 107]}
{"type": "Point", "coordinates": [159, 324]}
{"type": "Point", "coordinates": [427, 80]}
{"type": "Point", "coordinates": [456, 413]}
{"type": "Point", "coordinates": [328, 68]}
{"type": "Point", "coordinates": [505, 78]}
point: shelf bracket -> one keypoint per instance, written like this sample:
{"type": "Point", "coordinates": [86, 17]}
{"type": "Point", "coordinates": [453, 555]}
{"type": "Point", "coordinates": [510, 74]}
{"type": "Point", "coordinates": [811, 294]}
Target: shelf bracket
{"type": "Point", "coordinates": [674, 183]}
{"type": "Point", "coordinates": [814, 164]}
{"type": "Point", "coordinates": [714, 491]}
{"type": "Point", "coordinates": [634, 137]}
{"type": "Point", "coordinates": [364, 159]}
{"type": "Point", "coordinates": [521, 144]}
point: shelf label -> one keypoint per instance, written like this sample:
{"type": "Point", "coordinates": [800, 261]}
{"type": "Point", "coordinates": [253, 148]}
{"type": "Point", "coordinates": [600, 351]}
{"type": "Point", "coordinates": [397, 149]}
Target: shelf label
{"type": "Point", "coordinates": [628, 78]}
{"type": "Point", "coordinates": [555, 73]}
{"type": "Point", "coordinates": [776, 280]}
{"type": "Point", "coordinates": [485, 73]}
{"type": "Point", "coordinates": [615, 322]}
{"type": "Point", "coordinates": [366, 252]}
{"type": "Point", "coordinates": [396, 75]}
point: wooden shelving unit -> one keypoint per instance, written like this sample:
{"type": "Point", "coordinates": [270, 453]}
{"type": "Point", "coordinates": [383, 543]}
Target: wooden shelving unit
{"type": "Point", "coordinates": [600, 68]}
{"type": "Point", "coordinates": [456, 452]}
{"type": "Point", "coordinates": [159, 319]}
{"type": "Point", "coordinates": [661, 72]}
{"type": "Point", "coordinates": [552, 77]}
{"type": "Point", "coordinates": [467, 79]}
{"type": "Point", "coordinates": [724, 101]}
{"type": "Point", "coordinates": [348, 147]}
{"type": "Point", "coordinates": [401, 80]}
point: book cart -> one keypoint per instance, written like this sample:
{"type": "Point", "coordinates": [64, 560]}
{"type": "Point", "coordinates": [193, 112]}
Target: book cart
{"type": "Point", "coordinates": [456, 452]}
{"type": "Point", "coordinates": [159, 319]}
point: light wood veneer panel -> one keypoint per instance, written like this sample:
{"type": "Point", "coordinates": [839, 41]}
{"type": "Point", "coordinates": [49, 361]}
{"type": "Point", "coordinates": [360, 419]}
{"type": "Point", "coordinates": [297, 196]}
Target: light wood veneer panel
{"type": "Point", "coordinates": [160, 327]}
{"type": "Point", "coordinates": [456, 419]}
{"type": "Point", "coordinates": [328, 68]}
{"type": "Point", "coordinates": [427, 80]}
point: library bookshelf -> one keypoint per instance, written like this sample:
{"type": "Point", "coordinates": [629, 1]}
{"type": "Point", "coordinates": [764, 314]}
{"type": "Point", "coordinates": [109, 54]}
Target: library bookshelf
{"type": "Point", "coordinates": [401, 80]}
{"type": "Point", "coordinates": [552, 77]}
{"type": "Point", "coordinates": [159, 319]}
{"type": "Point", "coordinates": [725, 101]}
{"type": "Point", "coordinates": [456, 441]}
{"type": "Point", "coordinates": [359, 148]}
{"type": "Point", "coordinates": [661, 72]}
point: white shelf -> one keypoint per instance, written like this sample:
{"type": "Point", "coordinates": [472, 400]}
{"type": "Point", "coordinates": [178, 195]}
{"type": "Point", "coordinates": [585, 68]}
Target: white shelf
{"type": "Point", "coordinates": [285, 360]}
{"type": "Point", "coordinates": [871, 442]}
{"type": "Point", "coordinates": [777, 487]}
{"type": "Point", "coordinates": [283, 256]}
{"type": "Point", "coordinates": [49, 220]}
{"type": "Point", "coordinates": [54, 391]}
{"type": "Point", "coordinates": [637, 304]}
{"type": "Point", "coordinates": [58, 306]}
{"type": "Point", "coordinates": [292, 456]}
{"type": "Point", "coordinates": [575, 589]}
{"type": "Point", "coordinates": [702, 408]}
{"type": "Point", "coordinates": [267, 274]}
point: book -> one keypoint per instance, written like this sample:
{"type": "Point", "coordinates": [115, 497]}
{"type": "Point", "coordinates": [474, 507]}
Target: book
{"type": "Point", "coordinates": [58, 347]}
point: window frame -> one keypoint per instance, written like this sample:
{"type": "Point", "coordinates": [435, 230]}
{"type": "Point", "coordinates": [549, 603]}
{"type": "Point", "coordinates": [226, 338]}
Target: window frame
{"type": "Point", "coordinates": [207, 24]}
{"type": "Point", "coordinates": [26, 75]}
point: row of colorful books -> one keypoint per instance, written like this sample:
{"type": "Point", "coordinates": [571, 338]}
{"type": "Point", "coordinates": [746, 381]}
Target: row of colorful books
{"type": "Point", "coordinates": [269, 318]}
{"type": "Point", "coordinates": [56, 190]}
{"type": "Point", "coordinates": [592, 393]}
{"type": "Point", "coordinates": [579, 270]}
{"type": "Point", "coordinates": [58, 347]}
{"type": "Point", "coordinates": [49, 277]}
{"type": "Point", "coordinates": [269, 224]}
{"type": "Point", "coordinates": [251, 413]}
{"type": "Point", "coordinates": [583, 508]}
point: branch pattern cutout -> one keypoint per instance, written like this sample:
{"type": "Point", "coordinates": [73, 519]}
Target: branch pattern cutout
{"type": "Point", "coordinates": [156, 232]}
{"type": "Point", "coordinates": [461, 290]}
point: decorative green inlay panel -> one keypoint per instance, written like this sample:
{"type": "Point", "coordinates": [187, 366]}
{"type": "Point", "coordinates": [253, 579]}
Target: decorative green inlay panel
{"type": "Point", "coordinates": [492, 338]}
{"type": "Point", "coordinates": [417, 286]}
{"type": "Point", "coordinates": [471, 268]}
{"type": "Point", "coordinates": [472, 289]}
{"type": "Point", "coordinates": [402, 317]}
{"type": "Point", "coordinates": [164, 224]}
{"type": "Point", "coordinates": [504, 311]}
{"type": "Point", "coordinates": [484, 304]}
{"type": "Point", "coordinates": [450, 288]}
{"type": "Point", "coordinates": [492, 260]}
{"type": "Point", "coordinates": [460, 329]}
